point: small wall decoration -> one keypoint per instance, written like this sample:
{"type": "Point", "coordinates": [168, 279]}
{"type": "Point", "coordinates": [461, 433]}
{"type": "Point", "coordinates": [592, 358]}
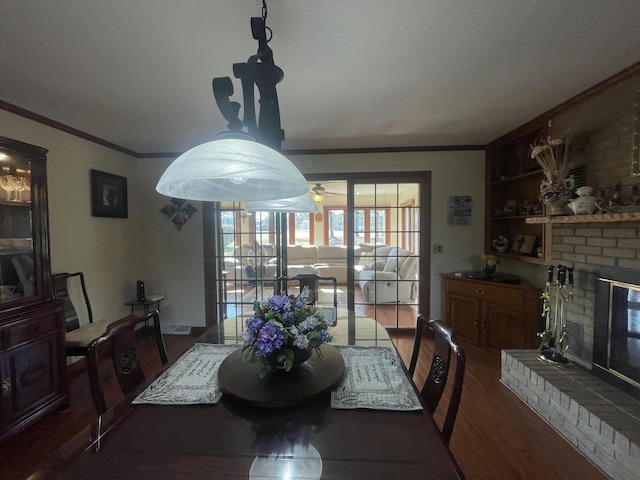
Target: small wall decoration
{"type": "Point", "coordinates": [178, 211]}
{"type": "Point", "coordinates": [108, 195]}
{"type": "Point", "coordinates": [459, 210]}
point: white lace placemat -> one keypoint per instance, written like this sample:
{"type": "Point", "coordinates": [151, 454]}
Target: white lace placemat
{"type": "Point", "coordinates": [374, 379]}
{"type": "Point", "coordinates": [193, 379]}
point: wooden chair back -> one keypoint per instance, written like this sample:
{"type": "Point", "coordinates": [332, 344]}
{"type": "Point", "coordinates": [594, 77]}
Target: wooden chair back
{"type": "Point", "coordinates": [312, 280]}
{"type": "Point", "coordinates": [72, 290]}
{"type": "Point", "coordinates": [61, 288]}
{"type": "Point", "coordinates": [436, 381]}
{"type": "Point", "coordinates": [120, 338]}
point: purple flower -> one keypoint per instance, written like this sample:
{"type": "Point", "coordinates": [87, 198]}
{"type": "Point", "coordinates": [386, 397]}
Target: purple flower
{"type": "Point", "coordinates": [278, 303]}
{"type": "Point", "coordinates": [308, 324]}
{"type": "Point", "coordinates": [325, 336]}
{"type": "Point", "coordinates": [253, 324]}
{"type": "Point", "coordinates": [248, 337]}
{"type": "Point", "coordinates": [269, 339]}
{"type": "Point", "coordinates": [301, 341]}
{"type": "Point", "coordinates": [288, 318]}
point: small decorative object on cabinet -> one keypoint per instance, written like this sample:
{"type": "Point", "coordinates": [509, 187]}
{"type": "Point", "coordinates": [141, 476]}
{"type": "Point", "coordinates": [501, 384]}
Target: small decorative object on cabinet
{"type": "Point", "coordinates": [491, 314]}
{"type": "Point", "coordinates": [489, 265]}
{"type": "Point", "coordinates": [32, 362]}
{"type": "Point", "coordinates": [512, 182]}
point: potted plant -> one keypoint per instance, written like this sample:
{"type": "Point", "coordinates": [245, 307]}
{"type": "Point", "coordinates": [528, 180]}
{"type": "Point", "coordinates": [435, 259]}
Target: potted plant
{"type": "Point", "coordinates": [284, 331]}
{"type": "Point", "coordinates": [489, 264]}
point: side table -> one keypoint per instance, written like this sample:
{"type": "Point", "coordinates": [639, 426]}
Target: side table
{"type": "Point", "coordinates": [149, 301]}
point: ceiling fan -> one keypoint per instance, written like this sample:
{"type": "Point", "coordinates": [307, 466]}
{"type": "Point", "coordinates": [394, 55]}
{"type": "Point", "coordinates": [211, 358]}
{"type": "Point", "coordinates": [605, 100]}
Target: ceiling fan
{"type": "Point", "coordinates": [318, 193]}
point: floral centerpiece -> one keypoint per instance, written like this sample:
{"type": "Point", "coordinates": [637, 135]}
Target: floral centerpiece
{"type": "Point", "coordinates": [551, 151]}
{"type": "Point", "coordinates": [489, 264]}
{"type": "Point", "coordinates": [500, 243]}
{"type": "Point", "coordinates": [284, 330]}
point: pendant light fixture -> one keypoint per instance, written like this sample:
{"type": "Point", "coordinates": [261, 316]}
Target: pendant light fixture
{"type": "Point", "coordinates": [301, 204]}
{"type": "Point", "coordinates": [241, 165]}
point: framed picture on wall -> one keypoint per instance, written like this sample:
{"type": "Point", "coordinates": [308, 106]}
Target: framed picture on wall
{"type": "Point", "coordinates": [108, 195]}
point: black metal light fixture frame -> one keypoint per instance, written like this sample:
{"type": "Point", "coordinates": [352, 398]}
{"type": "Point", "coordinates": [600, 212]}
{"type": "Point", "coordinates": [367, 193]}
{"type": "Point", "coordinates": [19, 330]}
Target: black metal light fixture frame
{"type": "Point", "coordinates": [258, 71]}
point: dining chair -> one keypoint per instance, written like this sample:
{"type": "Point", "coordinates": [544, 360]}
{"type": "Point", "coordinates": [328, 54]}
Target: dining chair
{"type": "Point", "coordinates": [80, 326]}
{"type": "Point", "coordinates": [312, 280]}
{"type": "Point", "coordinates": [121, 338]}
{"type": "Point", "coordinates": [436, 380]}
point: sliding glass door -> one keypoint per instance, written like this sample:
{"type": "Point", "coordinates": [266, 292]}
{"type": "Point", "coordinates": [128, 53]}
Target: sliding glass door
{"type": "Point", "coordinates": [371, 231]}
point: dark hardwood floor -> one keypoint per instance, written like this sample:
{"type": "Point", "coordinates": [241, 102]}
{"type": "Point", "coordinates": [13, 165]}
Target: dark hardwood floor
{"type": "Point", "coordinates": [496, 435]}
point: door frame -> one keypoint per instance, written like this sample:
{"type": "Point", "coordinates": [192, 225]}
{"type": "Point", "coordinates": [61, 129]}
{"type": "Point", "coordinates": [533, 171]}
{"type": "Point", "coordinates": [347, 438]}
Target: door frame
{"type": "Point", "coordinates": [212, 267]}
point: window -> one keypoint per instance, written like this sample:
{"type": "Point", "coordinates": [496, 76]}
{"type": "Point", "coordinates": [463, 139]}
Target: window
{"type": "Point", "coordinates": [371, 225]}
{"type": "Point", "coordinates": [264, 226]}
{"type": "Point", "coordinates": [334, 226]}
{"type": "Point", "coordinates": [230, 230]}
{"type": "Point", "coordinates": [300, 228]}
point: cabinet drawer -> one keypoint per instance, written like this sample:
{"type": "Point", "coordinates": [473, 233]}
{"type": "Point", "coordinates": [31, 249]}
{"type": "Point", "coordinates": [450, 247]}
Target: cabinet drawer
{"type": "Point", "coordinates": [26, 330]}
{"type": "Point", "coordinates": [487, 291]}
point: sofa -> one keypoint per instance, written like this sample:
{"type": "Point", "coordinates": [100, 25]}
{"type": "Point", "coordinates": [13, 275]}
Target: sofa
{"type": "Point", "coordinates": [324, 260]}
{"type": "Point", "coordinates": [387, 274]}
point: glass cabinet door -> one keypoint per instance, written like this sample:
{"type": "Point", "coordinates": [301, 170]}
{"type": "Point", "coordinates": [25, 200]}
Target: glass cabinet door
{"type": "Point", "coordinates": [17, 275]}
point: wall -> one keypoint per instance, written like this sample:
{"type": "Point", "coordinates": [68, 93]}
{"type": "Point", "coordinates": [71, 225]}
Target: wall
{"type": "Point", "coordinates": [107, 250]}
{"type": "Point", "coordinates": [173, 259]}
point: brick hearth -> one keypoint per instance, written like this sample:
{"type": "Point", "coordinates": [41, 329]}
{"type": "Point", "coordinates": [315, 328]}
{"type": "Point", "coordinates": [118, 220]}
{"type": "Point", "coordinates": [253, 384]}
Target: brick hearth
{"type": "Point", "coordinates": [600, 420]}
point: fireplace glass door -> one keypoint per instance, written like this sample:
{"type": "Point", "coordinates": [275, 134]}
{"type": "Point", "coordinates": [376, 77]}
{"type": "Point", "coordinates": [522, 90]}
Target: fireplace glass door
{"type": "Point", "coordinates": [616, 346]}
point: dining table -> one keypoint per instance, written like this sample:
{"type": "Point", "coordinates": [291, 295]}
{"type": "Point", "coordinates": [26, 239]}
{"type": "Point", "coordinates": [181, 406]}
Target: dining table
{"type": "Point", "coordinates": [187, 422]}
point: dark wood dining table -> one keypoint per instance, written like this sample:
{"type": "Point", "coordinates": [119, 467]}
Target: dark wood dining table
{"type": "Point", "coordinates": [133, 441]}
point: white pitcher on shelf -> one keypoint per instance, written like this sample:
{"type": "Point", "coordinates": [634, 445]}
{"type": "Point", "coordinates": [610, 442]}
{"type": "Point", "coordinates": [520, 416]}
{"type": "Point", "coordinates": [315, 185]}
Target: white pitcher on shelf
{"type": "Point", "coordinates": [585, 204]}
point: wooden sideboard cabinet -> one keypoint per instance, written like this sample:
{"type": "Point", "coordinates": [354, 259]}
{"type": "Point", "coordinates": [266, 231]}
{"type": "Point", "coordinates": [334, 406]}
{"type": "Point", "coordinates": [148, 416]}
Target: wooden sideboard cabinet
{"type": "Point", "coordinates": [32, 365]}
{"type": "Point", "coordinates": [491, 314]}
{"type": "Point", "coordinates": [32, 360]}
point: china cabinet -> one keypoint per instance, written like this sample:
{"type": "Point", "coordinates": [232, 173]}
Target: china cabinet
{"type": "Point", "coordinates": [512, 182]}
{"type": "Point", "coordinates": [32, 362]}
{"type": "Point", "coordinates": [490, 314]}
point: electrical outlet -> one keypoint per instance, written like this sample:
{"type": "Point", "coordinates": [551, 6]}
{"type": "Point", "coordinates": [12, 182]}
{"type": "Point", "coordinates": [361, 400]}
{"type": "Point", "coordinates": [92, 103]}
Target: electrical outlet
{"type": "Point", "coordinates": [438, 248]}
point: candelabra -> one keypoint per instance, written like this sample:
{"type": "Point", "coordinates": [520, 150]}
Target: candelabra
{"type": "Point", "coordinates": [557, 293]}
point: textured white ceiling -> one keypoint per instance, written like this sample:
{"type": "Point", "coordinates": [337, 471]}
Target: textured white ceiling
{"type": "Point", "coordinates": [358, 73]}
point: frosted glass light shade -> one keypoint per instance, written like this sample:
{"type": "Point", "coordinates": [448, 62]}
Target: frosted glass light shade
{"type": "Point", "coordinates": [232, 169]}
{"type": "Point", "coordinates": [303, 203]}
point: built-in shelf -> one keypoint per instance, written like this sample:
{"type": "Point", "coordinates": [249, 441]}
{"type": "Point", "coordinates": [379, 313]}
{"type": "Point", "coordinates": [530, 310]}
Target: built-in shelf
{"type": "Point", "coordinates": [595, 218]}
{"type": "Point", "coordinates": [514, 217]}
{"type": "Point", "coordinates": [520, 176]}
{"type": "Point", "coordinates": [519, 257]}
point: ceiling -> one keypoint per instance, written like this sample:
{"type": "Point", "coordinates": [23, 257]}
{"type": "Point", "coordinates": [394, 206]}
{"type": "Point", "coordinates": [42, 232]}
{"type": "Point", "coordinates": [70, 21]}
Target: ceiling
{"type": "Point", "coordinates": [358, 73]}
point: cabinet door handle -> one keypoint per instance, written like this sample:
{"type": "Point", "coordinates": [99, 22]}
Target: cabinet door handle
{"type": "Point", "coordinates": [480, 291]}
{"type": "Point", "coordinates": [6, 387]}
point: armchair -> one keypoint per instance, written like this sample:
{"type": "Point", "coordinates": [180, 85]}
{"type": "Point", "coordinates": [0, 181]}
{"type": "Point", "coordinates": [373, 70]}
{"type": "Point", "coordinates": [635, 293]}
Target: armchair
{"type": "Point", "coordinates": [390, 276]}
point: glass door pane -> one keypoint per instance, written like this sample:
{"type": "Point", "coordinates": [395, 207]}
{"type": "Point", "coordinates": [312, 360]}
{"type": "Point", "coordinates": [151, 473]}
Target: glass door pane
{"type": "Point", "coordinates": [386, 237]}
{"type": "Point", "coordinates": [17, 274]}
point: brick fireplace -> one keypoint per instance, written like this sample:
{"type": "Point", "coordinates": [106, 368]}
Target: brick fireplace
{"type": "Point", "coordinates": [600, 420]}
{"type": "Point", "coordinates": [597, 418]}
{"type": "Point", "coordinates": [586, 246]}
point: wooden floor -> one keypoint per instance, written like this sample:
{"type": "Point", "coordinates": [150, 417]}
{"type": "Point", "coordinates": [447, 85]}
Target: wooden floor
{"type": "Point", "coordinates": [496, 435]}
